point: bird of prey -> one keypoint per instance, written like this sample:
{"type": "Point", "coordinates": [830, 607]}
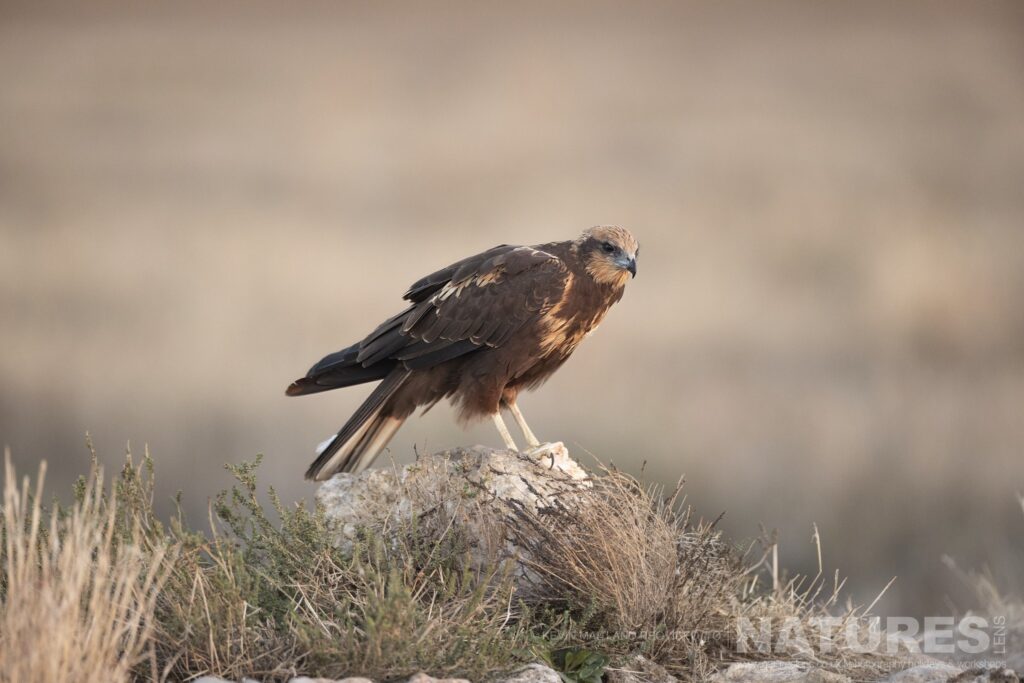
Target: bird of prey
{"type": "Point", "coordinates": [476, 332]}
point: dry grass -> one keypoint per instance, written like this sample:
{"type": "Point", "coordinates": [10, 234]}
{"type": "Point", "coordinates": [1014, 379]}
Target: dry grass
{"type": "Point", "coordinates": [268, 595]}
{"type": "Point", "coordinates": [616, 569]}
{"type": "Point", "coordinates": [77, 602]}
{"type": "Point", "coordinates": [993, 601]}
{"type": "Point", "coordinates": [634, 561]}
{"type": "Point", "coordinates": [638, 574]}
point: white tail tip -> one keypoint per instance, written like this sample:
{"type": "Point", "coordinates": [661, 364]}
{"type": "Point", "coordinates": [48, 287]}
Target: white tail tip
{"type": "Point", "coordinates": [324, 445]}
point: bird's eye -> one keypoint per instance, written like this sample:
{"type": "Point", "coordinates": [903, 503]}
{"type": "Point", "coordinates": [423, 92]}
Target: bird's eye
{"type": "Point", "coordinates": [608, 247]}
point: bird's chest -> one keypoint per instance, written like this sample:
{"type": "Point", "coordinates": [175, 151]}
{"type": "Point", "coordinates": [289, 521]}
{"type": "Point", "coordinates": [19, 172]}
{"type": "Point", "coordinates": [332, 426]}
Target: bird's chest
{"type": "Point", "coordinates": [563, 334]}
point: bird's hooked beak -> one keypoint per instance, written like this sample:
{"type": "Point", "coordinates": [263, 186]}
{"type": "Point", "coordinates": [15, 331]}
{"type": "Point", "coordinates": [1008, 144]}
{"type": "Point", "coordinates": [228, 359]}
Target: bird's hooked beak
{"type": "Point", "coordinates": [627, 262]}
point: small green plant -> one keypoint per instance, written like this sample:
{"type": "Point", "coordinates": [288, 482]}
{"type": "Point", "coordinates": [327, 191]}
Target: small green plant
{"type": "Point", "coordinates": [578, 666]}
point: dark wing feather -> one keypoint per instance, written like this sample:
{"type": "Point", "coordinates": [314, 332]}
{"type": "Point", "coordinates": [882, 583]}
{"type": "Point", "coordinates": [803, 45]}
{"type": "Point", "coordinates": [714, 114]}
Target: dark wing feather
{"type": "Point", "coordinates": [435, 355]}
{"type": "Point", "coordinates": [341, 377]}
{"type": "Point", "coordinates": [425, 286]}
{"type": "Point", "coordinates": [336, 370]}
{"type": "Point", "coordinates": [480, 301]}
{"type": "Point", "coordinates": [477, 302]}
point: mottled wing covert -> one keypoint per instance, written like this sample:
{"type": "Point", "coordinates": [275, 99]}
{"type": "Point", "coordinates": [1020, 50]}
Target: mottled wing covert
{"type": "Point", "coordinates": [480, 301]}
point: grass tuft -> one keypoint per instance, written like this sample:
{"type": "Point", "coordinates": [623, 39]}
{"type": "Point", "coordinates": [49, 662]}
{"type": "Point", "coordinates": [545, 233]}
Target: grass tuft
{"type": "Point", "coordinates": [615, 569]}
{"type": "Point", "coordinates": [632, 571]}
{"type": "Point", "coordinates": [77, 592]}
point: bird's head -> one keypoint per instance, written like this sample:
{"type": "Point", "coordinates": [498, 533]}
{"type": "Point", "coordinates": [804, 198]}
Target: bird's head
{"type": "Point", "coordinates": [610, 254]}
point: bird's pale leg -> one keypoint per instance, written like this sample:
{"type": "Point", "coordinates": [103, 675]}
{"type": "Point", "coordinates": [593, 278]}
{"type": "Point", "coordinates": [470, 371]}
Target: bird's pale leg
{"type": "Point", "coordinates": [503, 430]}
{"type": "Point", "coordinates": [531, 440]}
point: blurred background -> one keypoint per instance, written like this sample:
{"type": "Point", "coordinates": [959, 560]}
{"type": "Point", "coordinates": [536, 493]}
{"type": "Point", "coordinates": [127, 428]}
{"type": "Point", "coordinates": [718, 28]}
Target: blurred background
{"type": "Point", "coordinates": [198, 201]}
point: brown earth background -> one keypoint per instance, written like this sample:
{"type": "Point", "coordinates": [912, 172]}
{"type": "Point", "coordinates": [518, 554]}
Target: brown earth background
{"type": "Point", "coordinates": [199, 200]}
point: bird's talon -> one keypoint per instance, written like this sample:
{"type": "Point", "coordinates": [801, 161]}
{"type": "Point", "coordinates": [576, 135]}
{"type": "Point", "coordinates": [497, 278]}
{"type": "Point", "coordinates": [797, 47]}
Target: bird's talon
{"type": "Point", "coordinates": [539, 452]}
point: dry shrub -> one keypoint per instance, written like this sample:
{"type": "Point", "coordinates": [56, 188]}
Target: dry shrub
{"type": "Point", "coordinates": [635, 573]}
{"type": "Point", "coordinates": [630, 556]}
{"type": "Point", "coordinates": [271, 596]}
{"type": "Point", "coordinates": [613, 569]}
{"type": "Point", "coordinates": [633, 570]}
{"type": "Point", "coordinates": [794, 604]}
{"type": "Point", "coordinates": [77, 600]}
{"type": "Point", "coordinates": [995, 601]}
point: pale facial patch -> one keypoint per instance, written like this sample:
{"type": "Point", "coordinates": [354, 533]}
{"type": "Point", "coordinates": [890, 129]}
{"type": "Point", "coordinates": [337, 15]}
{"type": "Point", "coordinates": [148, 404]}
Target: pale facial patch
{"type": "Point", "coordinates": [603, 269]}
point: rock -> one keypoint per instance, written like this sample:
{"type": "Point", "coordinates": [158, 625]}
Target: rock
{"type": "Point", "coordinates": [424, 678]}
{"type": "Point", "coordinates": [305, 679]}
{"type": "Point", "coordinates": [639, 669]}
{"type": "Point", "coordinates": [776, 672]}
{"type": "Point", "coordinates": [986, 675]}
{"type": "Point", "coordinates": [932, 672]}
{"type": "Point", "coordinates": [532, 673]}
{"type": "Point", "coordinates": [472, 489]}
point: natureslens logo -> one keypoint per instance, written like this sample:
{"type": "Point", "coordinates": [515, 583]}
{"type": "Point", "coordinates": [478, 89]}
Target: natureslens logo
{"type": "Point", "coordinates": [969, 636]}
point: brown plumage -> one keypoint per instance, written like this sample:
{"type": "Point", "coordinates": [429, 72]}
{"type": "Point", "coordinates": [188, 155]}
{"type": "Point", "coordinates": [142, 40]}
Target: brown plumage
{"type": "Point", "coordinates": [476, 332]}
